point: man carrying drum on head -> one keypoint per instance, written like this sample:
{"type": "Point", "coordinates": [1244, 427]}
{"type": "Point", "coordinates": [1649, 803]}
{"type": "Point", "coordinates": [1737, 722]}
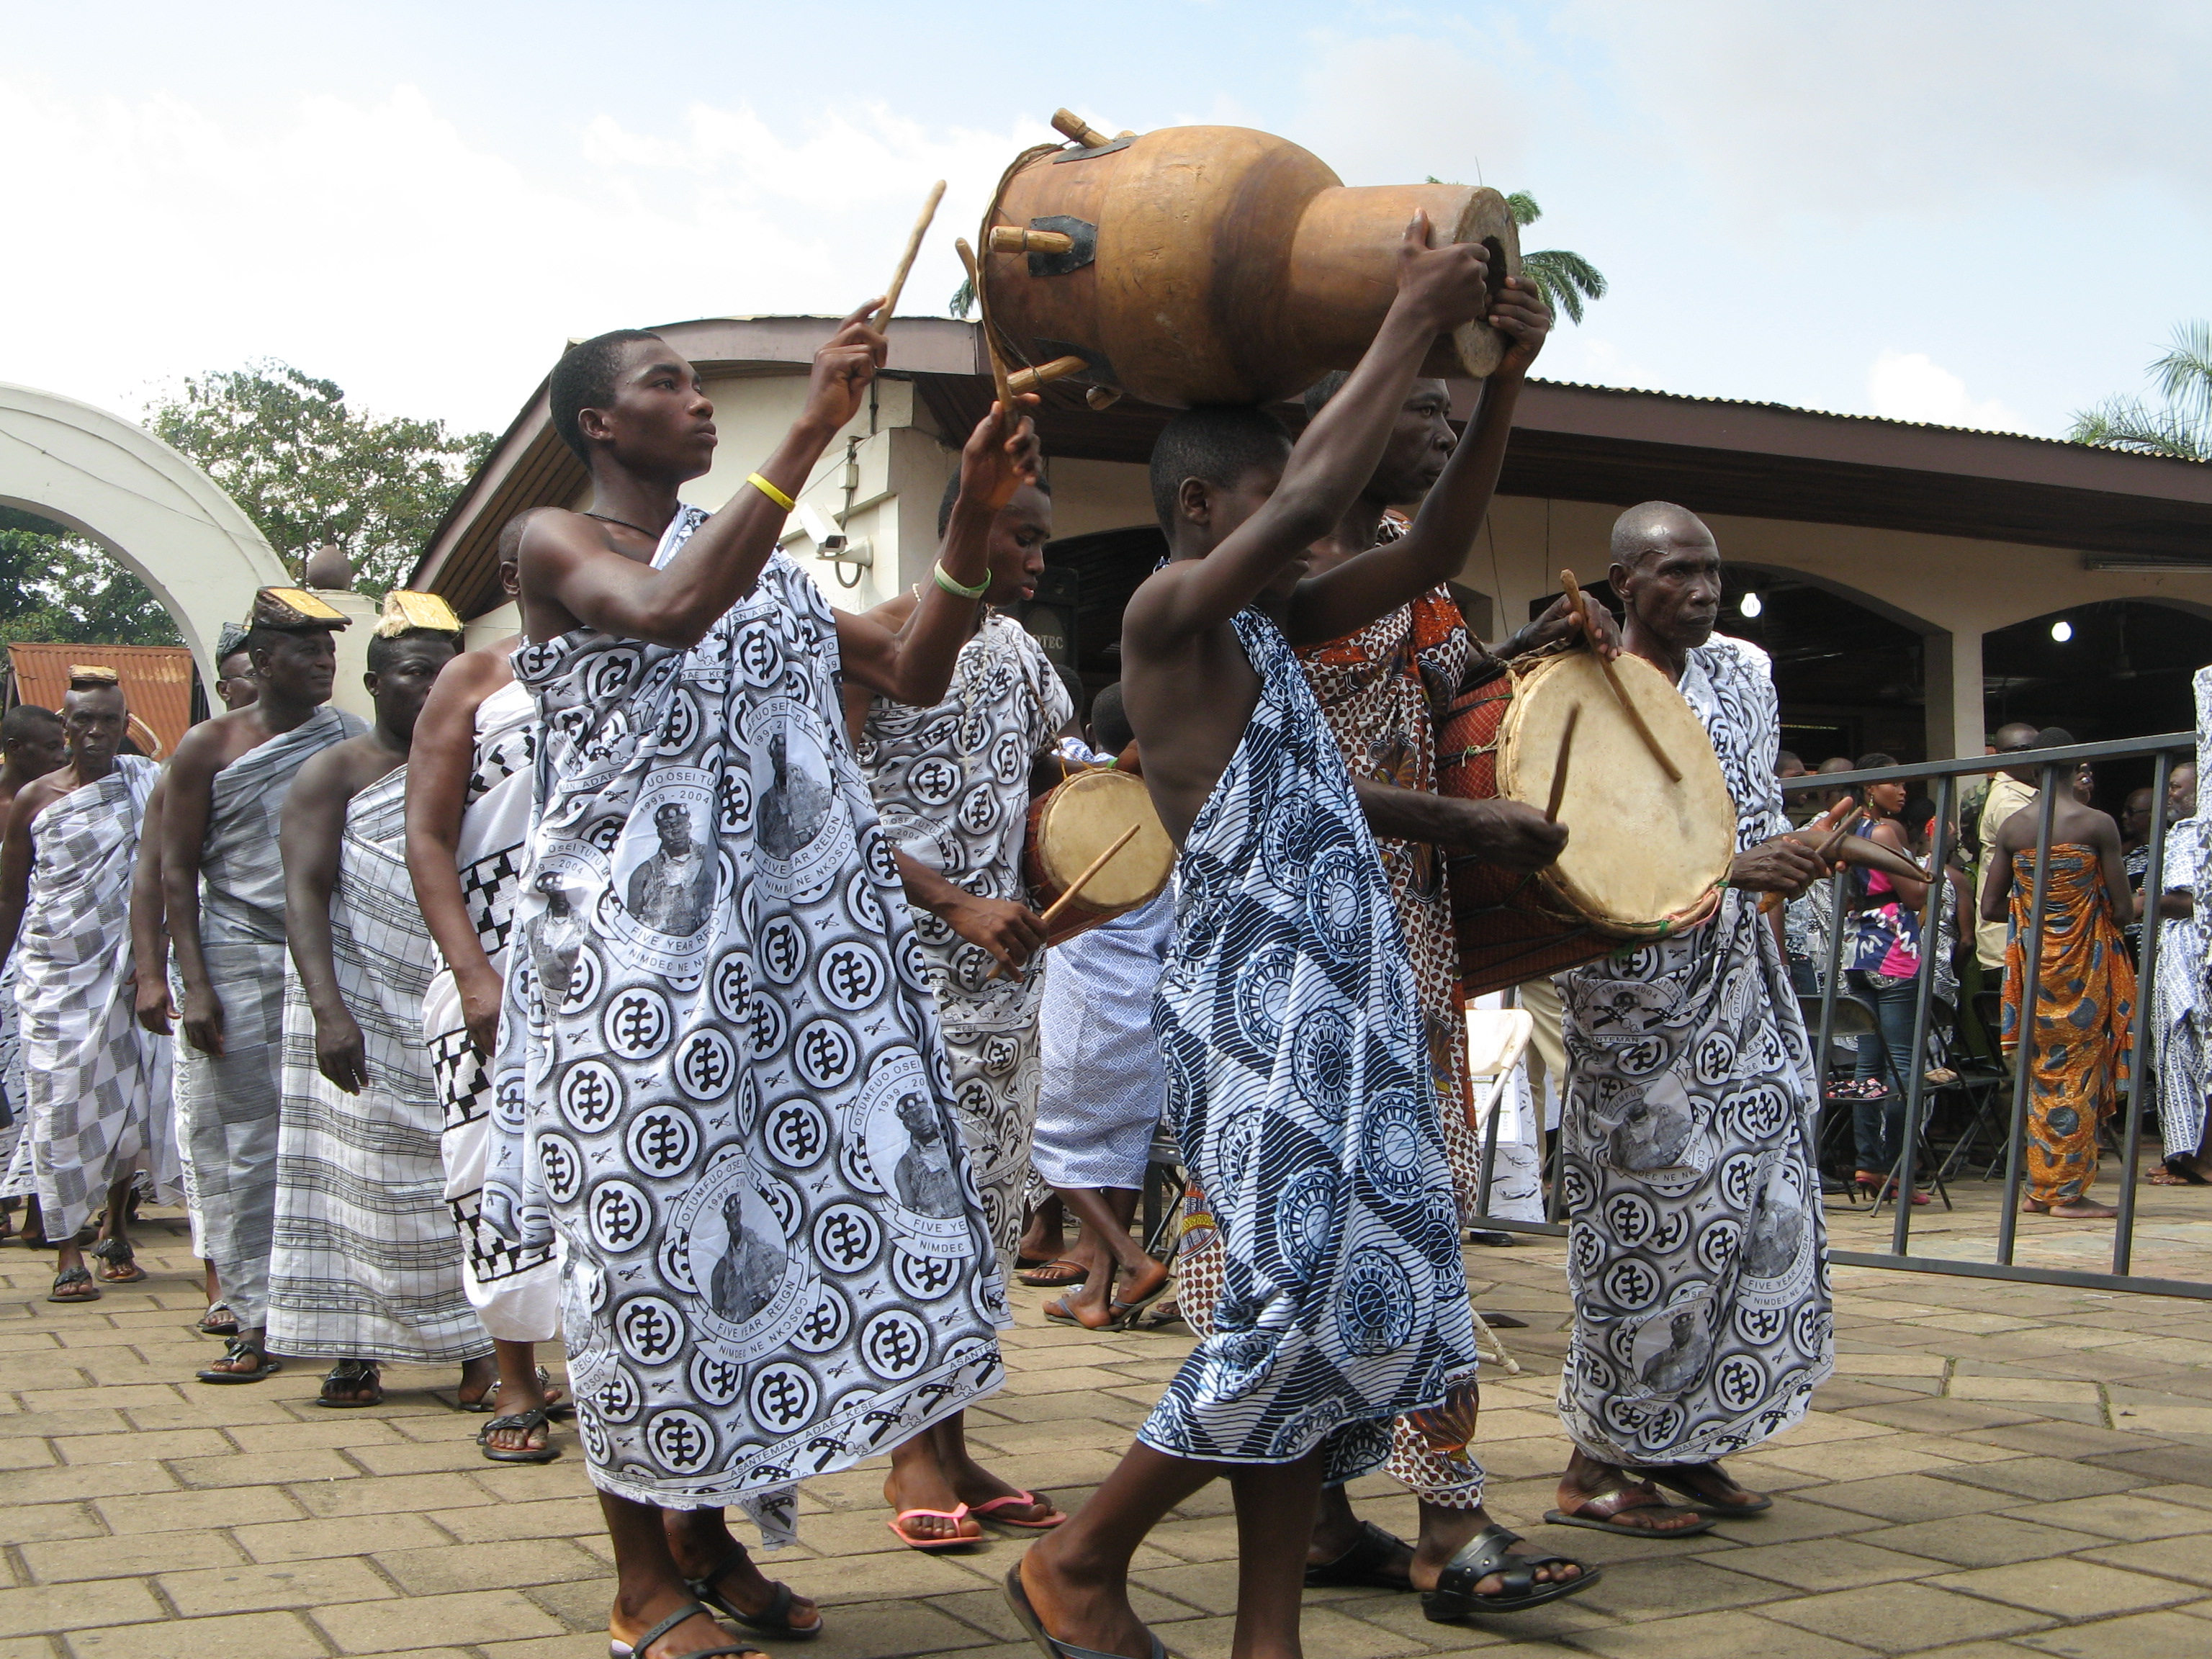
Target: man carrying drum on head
{"type": "Point", "coordinates": [1383, 690]}
{"type": "Point", "coordinates": [1698, 1259]}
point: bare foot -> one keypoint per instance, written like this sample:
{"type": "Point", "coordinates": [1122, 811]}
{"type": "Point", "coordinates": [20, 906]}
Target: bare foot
{"type": "Point", "coordinates": [1082, 1612]}
{"type": "Point", "coordinates": [2083, 1209]}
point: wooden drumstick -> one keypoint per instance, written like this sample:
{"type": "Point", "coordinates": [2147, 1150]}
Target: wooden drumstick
{"type": "Point", "coordinates": [906, 260]}
{"type": "Point", "coordinates": [1560, 766]}
{"type": "Point", "coordinates": [1835, 817]}
{"type": "Point", "coordinates": [1581, 603]}
{"type": "Point", "coordinates": [1053, 912]}
{"type": "Point", "coordinates": [983, 321]}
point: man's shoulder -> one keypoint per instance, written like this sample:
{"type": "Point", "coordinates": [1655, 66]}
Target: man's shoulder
{"type": "Point", "coordinates": [1739, 654]}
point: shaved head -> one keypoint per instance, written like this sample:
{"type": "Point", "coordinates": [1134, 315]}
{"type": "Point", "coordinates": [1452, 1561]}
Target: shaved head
{"type": "Point", "coordinates": [1651, 528]}
{"type": "Point", "coordinates": [2018, 735]}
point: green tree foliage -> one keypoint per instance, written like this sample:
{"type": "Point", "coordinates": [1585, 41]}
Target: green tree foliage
{"type": "Point", "coordinates": [307, 469]}
{"type": "Point", "coordinates": [2181, 428]}
{"type": "Point", "coordinates": [55, 586]}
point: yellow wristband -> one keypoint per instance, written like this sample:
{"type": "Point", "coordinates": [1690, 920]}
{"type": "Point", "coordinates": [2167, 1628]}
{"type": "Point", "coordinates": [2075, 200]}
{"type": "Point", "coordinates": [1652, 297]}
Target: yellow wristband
{"type": "Point", "coordinates": [960, 590]}
{"type": "Point", "coordinates": [770, 491]}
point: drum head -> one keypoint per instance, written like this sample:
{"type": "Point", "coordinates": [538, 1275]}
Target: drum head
{"type": "Point", "coordinates": [1640, 848]}
{"type": "Point", "coordinates": [1081, 821]}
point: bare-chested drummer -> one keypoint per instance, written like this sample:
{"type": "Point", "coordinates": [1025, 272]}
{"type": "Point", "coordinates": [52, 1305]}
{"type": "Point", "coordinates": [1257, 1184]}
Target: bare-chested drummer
{"type": "Point", "coordinates": [1298, 1076]}
{"type": "Point", "coordinates": [775, 1261]}
{"type": "Point", "coordinates": [222, 880]}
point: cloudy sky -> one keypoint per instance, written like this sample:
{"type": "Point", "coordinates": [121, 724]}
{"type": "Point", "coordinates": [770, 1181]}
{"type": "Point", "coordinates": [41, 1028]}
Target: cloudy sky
{"type": "Point", "coordinates": [1986, 214]}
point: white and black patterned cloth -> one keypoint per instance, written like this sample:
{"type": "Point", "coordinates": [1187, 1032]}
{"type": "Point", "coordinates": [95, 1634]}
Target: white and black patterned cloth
{"type": "Point", "coordinates": [2182, 998]}
{"type": "Point", "coordinates": [366, 1264]}
{"type": "Point", "coordinates": [774, 1261]}
{"type": "Point", "coordinates": [952, 784]}
{"type": "Point", "coordinates": [11, 1069]}
{"type": "Point", "coordinates": [227, 1109]}
{"type": "Point", "coordinates": [95, 1084]}
{"type": "Point", "coordinates": [1696, 1252]}
{"type": "Point", "coordinates": [1103, 1085]}
{"type": "Point", "coordinates": [515, 1288]}
{"type": "Point", "coordinates": [1299, 1091]}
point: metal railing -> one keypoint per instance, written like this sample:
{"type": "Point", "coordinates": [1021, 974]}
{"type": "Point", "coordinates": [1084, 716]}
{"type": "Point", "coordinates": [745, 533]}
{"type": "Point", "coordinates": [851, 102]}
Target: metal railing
{"type": "Point", "coordinates": [2053, 768]}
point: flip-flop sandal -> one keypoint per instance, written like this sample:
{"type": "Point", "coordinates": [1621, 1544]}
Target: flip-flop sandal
{"type": "Point", "coordinates": [1363, 1565]}
{"type": "Point", "coordinates": [957, 1513]}
{"type": "Point", "coordinates": [1674, 1481]}
{"type": "Point", "coordinates": [1036, 1280]}
{"type": "Point", "coordinates": [122, 1264]}
{"type": "Point", "coordinates": [1057, 1312]}
{"type": "Point", "coordinates": [68, 1279]}
{"type": "Point", "coordinates": [237, 1348]}
{"type": "Point", "coordinates": [1597, 1513]}
{"type": "Point", "coordinates": [351, 1374]}
{"type": "Point", "coordinates": [1488, 1552]}
{"type": "Point", "coordinates": [2176, 1174]}
{"type": "Point", "coordinates": [774, 1619]}
{"type": "Point", "coordinates": [643, 1646]}
{"type": "Point", "coordinates": [488, 1399]}
{"type": "Point", "coordinates": [226, 1325]}
{"type": "Point", "coordinates": [529, 1422]}
{"type": "Point", "coordinates": [1122, 1316]}
{"type": "Point", "coordinates": [1020, 1500]}
{"type": "Point", "coordinates": [1018, 1598]}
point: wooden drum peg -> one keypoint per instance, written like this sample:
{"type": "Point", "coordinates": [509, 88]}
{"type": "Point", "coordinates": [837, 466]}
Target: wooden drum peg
{"type": "Point", "coordinates": [1030, 379]}
{"type": "Point", "coordinates": [1074, 126]}
{"type": "Point", "coordinates": [1013, 238]}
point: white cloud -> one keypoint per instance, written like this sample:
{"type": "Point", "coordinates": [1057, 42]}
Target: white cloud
{"type": "Point", "coordinates": [1906, 385]}
{"type": "Point", "coordinates": [373, 242]}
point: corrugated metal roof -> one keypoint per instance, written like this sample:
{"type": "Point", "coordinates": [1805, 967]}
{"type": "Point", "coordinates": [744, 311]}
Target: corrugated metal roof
{"type": "Point", "coordinates": [157, 683]}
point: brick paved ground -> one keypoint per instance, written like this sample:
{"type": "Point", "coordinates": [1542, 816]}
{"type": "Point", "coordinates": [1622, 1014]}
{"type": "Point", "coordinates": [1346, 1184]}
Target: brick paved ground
{"type": "Point", "coordinates": [1997, 1470]}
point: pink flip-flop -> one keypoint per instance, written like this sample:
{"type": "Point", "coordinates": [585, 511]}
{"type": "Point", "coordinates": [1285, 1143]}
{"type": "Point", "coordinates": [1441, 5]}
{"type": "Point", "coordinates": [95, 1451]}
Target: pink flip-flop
{"type": "Point", "coordinates": [958, 1513]}
{"type": "Point", "coordinates": [1020, 1500]}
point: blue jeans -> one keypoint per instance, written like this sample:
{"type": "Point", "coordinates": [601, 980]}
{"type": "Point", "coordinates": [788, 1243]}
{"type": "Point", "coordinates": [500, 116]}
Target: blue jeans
{"type": "Point", "coordinates": [1878, 1126]}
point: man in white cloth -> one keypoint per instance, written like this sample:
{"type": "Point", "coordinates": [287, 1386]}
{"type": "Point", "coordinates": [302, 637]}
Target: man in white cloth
{"type": "Point", "coordinates": [1098, 1104]}
{"type": "Point", "coordinates": [31, 746]}
{"type": "Point", "coordinates": [952, 784]}
{"type": "Point", "coordinates": [667, 1104]}
{"type": "Point", "coordinates": [366, 1267]}
{"type": "Point", "coordinates": [223, 882]}
{"type": "Point", "coordinates": [470, 774]}
{"type": "Point", "coordinates": [90, 1074]}
{"type": "Point", "coordinates": [2180, 991]}
{"type": "Point", "coordinates": [1697, 1253]}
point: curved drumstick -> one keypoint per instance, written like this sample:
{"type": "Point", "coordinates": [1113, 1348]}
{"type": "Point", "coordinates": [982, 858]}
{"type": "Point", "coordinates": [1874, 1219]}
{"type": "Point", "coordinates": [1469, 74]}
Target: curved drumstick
{"type": "Point", "coordinates": [1560, 766]}
{"type": "Point", "coordinates": [906, 259]}
{"type": "Point", "coordinates": [983, 321]}
{"type": "Point", "coordinates": [1831, 819]}
{"type": "Point", "coordinates": [1581, 603]}
{"type": "Point", "coordinates": [1053, 912]}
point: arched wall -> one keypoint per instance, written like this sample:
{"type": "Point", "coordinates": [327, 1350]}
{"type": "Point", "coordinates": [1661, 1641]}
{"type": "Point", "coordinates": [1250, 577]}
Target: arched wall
{"type": "Point", "coordinates": [168, 523]}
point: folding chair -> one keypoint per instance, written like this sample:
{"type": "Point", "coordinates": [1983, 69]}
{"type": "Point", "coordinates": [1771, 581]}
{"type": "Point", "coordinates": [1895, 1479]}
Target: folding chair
{"type": "Point", "coordinates": [1855, 1017]}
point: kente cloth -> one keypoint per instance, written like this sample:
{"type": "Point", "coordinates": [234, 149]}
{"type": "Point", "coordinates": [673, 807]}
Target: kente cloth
{"type": "Point", "coordinates": [230, 1107]}
{"type": "Point", "coordinates": [952, 785]}
{"type": "Point", "coordinates": [2180, 994]}
{"type": "Point", "coordinates": [366, 1264]}
{"type": "Point", "coordinates": [1382, 690]}
{"type": "Point", "coordinates": [1103, 1082]}
{"type": "Point", "coordinates": [1300, 1091]}
{"type": "Point", "coordinates": [2085, 1000]}
{"type": "Point", "coordinates": [774, 1258]}
{"type": "Point", "coordinates": [1697, 1249]}
{"type": "Point", "coordinates": [515, 1288]}
{"type": "Point", "coordinates": [2006, 796]}
{"type": "Point", "coordinates": [90, 1074]}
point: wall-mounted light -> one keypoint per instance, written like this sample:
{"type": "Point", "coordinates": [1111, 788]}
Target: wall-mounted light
{"type": "Point", "coordinates": [2062, 630]}
{"type": "Point", "coordinates": [1751, 604]}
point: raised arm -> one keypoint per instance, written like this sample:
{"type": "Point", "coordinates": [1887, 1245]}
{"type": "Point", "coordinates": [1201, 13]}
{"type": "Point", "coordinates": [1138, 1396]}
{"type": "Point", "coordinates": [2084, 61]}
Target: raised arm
{"type": "Point", "coordinates": [1348, 595]}
{"type": "Point", "coordinates": [566, 560]}
{"type": "Point", "coordinates": [1439, 288]}
{"type": "Point", "coordinates": [150, 939]}
{"type": "Point", "coordinates": [439, 762]}
{"type": "Point", "coordinates": [189, 787]}
{"type": "Point", "coordinates": [313, 822]}
{"type": "Point", "coordinates": [913, 664]}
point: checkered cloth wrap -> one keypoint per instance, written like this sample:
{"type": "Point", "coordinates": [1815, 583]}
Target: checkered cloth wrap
{"type": "Point", "coordinates": [90, 1072]}
{"type": "Point", "coordinates": [228, 1108]}
{"type": "Point", "coordinates": [366, 1264]}
{"type": "Point", "coordinates": [1299, 1089]}
{"type": "Point", "coordinates": [514, 1288]}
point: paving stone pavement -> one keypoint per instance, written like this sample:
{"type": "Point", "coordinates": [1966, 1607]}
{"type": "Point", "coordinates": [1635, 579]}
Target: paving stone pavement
{"type": "Point", "coordinates": [1997, 1470]}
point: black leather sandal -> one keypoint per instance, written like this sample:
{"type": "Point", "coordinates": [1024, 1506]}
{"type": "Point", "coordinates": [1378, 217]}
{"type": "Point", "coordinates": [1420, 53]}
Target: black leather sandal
{"type": "Point", "coordinates": [1364, 1564]}
{"type": "Point", "coordinates": [774, 1619]}
{"type": "Point", "coordinates": [1489, 1552]}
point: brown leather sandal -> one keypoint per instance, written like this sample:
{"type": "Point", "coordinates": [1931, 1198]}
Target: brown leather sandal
{"type": "Point", "coordinates": [1599, 1512]}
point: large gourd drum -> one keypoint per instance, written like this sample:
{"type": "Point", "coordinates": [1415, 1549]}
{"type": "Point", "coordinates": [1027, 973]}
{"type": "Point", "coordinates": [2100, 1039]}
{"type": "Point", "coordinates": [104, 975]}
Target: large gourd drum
{"type": "Point", "coordinates": [1214, 265]}
{"type": "Point", "coordinates": [1646, 855]}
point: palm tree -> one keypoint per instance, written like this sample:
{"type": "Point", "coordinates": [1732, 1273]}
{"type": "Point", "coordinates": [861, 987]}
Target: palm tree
{"type": "Point", "coordinates": [1566, 280]}
{"type": "Point", "coordinates": [2183, 428]}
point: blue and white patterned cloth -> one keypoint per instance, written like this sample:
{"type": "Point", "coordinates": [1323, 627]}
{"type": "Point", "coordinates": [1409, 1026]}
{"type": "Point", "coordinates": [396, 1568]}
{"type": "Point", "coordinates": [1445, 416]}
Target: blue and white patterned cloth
{"type": "Point", "coordinates": [1298, 1088]}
